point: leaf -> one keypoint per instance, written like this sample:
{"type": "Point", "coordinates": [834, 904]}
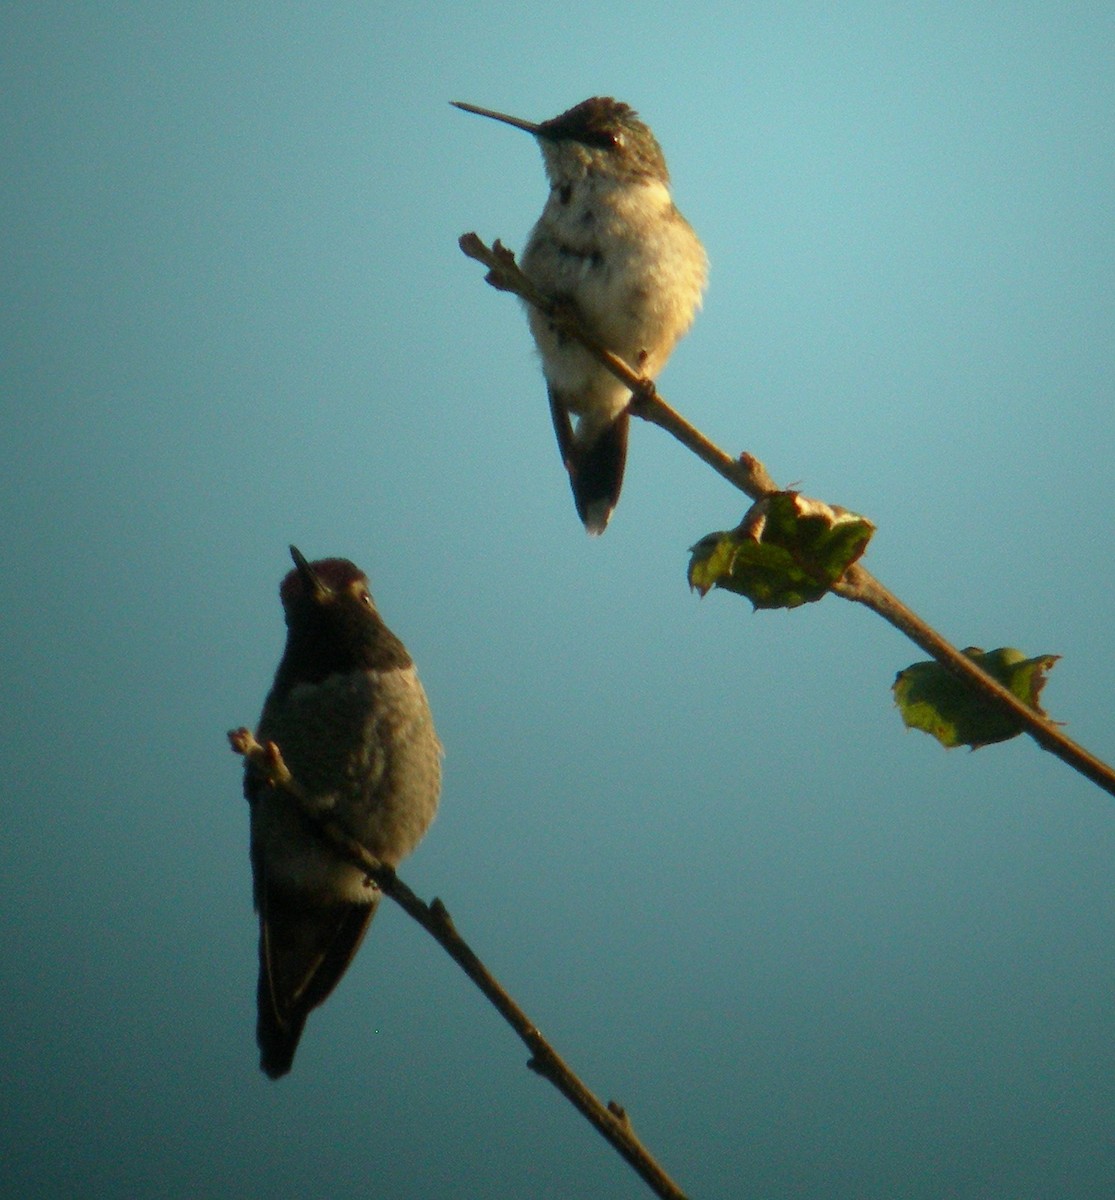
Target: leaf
{"type": "Point", "coordinates": [787, 550]}
{"type": "Point", "coordinates": [938, 702]}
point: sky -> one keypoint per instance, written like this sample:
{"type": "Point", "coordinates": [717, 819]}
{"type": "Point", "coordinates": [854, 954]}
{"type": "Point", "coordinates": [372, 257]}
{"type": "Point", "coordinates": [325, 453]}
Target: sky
{"type": "Point", "coordinates": [812, 953]}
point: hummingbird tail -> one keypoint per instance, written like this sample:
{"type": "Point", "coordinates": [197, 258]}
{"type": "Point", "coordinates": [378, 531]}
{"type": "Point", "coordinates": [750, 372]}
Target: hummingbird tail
{"type": "Point", "coordinates": [303, 952]}
{"type": "Point", "coordinates": [595, 467]}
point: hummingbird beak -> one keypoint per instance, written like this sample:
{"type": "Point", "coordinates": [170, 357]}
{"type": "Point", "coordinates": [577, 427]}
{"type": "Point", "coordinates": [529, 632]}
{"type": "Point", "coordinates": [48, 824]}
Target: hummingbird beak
{"type": "Point", "coordinates": [310, 577]}
{"type": "Point", "coordinates": [518, 122]}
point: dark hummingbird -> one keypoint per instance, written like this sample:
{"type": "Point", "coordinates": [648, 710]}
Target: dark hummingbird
{"type": "Point", "coordinates": [353, 725]}
{"type": "Point", "coordinates": [611, 243]}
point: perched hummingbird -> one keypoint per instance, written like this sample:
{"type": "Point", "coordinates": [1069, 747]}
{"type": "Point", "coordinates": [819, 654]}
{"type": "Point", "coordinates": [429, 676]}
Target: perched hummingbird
{"type": "Point", "coordinates": [352, 723]}
{"type": "Point", "coordinates": [611, 242]}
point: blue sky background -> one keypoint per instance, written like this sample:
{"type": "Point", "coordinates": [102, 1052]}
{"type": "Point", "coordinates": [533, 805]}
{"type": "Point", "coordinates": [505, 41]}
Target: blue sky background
{"type": "Point", "coordinates": [812, 953]}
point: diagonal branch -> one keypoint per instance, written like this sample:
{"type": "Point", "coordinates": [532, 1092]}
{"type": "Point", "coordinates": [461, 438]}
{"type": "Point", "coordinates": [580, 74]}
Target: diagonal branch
{"type": "Point", "coordinates": [749, 475]}
{"type": "Point", "coordinates": [610, 1120]}
{"type": "Point", "coordinates": [504, 274]}
{"type": "Point", "coordinates": [862, 587]}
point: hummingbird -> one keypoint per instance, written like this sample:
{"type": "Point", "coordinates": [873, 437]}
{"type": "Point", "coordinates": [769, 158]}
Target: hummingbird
{"type": "Point", "coordinates": [353, 725]}
{"type": "Point", "coordinates": [612, 244]}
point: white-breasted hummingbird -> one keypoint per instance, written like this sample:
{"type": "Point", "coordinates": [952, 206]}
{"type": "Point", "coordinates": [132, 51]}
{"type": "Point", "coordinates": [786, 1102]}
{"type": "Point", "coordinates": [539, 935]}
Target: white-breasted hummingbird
{"type": "Point", "coordinates": [611, 243]}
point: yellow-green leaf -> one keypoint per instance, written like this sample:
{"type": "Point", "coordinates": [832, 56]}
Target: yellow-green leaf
{"type": "Point", "coordinates": [787, 550]}
{"type": "Point", "coordinates": [938, 702]}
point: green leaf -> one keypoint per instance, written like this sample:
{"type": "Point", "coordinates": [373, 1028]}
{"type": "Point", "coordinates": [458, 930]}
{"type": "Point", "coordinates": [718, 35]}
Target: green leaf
{"type": "Point", "coordinates": [936, 701]}
{"type": "Point", "coordinates": [787, 550]}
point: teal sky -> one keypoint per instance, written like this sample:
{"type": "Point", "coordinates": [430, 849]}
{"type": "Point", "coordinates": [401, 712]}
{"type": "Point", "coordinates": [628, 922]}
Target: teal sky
{"type": "Point", "coordinates": [813, 954]}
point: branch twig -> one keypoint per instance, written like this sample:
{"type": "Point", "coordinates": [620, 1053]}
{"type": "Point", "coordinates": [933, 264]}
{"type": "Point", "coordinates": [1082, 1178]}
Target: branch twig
{"type": "Point", "coordinates": [862, 587]}
{"type": "Point", "coordinates": [749, 475]}
{"type": "Point", "coordinates": [610, 1120]}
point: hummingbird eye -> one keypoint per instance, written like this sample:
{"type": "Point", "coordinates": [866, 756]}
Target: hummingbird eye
{"type": "Point", "coordinates": [361, 592]}
{"type": "Point", "coordinates": [603, 139]}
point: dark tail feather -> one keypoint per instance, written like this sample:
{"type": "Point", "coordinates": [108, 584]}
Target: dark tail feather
{"type": "Point", "coordinates": [277, 1039]}
{"type": "Point", "coordinates": [595, 470]}
{"type": "Point", "coordinates": [302, 955]}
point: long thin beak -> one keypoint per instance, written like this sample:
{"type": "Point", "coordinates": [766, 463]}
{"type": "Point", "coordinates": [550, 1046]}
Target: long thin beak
{"type": "Point", "coordinates": [310, 577]}
{"type": "Point", "coordinates": [518, 122]}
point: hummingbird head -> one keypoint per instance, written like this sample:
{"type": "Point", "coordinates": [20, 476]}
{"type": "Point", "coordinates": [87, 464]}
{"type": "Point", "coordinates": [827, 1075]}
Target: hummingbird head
{"type": "Point", "coordinates": [333, 625]}
{"type": "Point", "coordinates": [598, 136]}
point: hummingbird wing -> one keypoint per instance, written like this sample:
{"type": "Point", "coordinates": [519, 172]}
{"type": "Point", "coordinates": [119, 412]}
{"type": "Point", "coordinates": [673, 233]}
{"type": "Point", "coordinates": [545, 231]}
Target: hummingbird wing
{"type": "Point", "coordinates": [304, 949]}
{"type": "Point", "coordinates": [595, 464]}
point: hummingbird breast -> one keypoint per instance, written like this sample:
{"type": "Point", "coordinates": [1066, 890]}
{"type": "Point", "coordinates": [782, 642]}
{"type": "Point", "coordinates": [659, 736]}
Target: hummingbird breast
{"type": "Point", "coordinates": [620, 251]}
{"type": "Point", "coordinates": [362, 743]}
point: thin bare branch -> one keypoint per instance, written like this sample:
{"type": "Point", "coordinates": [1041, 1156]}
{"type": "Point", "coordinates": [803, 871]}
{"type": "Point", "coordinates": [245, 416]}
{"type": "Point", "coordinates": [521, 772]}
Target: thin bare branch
{"type": "Point", "coordinates": [610, 1120]}
{"type": "Point", "coordinates": [749, 475]}
{"type": "Point", "coordinates": [862, 587]}
{"type": "Point", "coordinates": [746, 472]}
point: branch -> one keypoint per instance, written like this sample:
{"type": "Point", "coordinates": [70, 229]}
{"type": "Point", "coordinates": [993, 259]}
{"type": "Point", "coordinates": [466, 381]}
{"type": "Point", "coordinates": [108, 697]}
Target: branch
{"type": "Point", "coordinates": [504, 274]}
{"type": "Point", "coordinates": [749, 475]}
{"type": "Point", "coordinates": [610, 1120]}
{"type": "Point", "coordinates": [862, 587]}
